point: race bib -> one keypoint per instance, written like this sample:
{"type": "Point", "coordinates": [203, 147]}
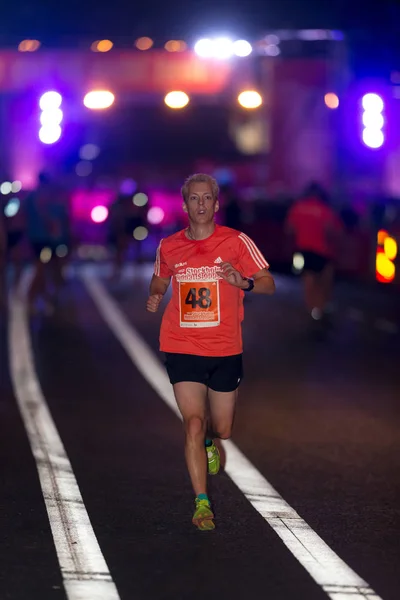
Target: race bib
{"type": "Point", "coordinates": [199, 303]}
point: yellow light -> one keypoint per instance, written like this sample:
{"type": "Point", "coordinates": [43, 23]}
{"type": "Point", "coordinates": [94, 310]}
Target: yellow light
{"type": "Point", "coordinates": [99, 99]}
{"type": "Point", "coordinates": [384, 267]}
{"type": "Point", "coordinates": [332, 101]}
{"type": "Point", "coordinates": [45, 255]}
{"type": "Point", "coordinates": [175, 46]}
{"type": "Point", "coordinates": [94, 46]}
{"type": "Point", "coordinates": [140, 199]}
{"type": "Point", "coordinates": [104, 46]}
{"type": "Point", "coordinates": [144, 43]}
{"type": "Point", "coordinates": [140, 233]}
{"type": "Point", "coordinates": [382, 235]}
{"type": "Point", "coordinates": [250, 99]}
{"type": "Point", "coordinates": [29, 46]}
{"type": "Point", "coordinates": [390, 248]}
{"type": "Point", "coordinates": [176, 99]}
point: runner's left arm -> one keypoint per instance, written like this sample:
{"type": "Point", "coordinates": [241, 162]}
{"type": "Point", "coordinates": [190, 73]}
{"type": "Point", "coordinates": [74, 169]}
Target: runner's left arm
{"type": "Point", "coordinates": [253, 264]}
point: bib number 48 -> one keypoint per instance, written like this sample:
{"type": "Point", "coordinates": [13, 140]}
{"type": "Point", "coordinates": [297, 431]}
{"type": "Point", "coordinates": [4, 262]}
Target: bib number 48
{"type": "Point", "coordinates": [199, 298]}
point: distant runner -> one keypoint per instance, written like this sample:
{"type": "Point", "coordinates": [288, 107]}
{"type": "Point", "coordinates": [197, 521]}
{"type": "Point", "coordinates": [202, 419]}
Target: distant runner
{"type": "Point", "coordinates": [211, 268]}
{"type": "Point", "coordinates": [315, 230]}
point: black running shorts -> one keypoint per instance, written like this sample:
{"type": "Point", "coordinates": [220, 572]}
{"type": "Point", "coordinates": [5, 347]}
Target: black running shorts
{"type": "Point", "coordinates": [219, 373]}
{"type": "Point", "coordinates": [314, 262]}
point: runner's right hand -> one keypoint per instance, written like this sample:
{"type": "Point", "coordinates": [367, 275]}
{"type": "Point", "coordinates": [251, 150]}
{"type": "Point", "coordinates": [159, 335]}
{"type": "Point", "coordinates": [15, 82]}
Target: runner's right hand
{"type": "Point", "coordinates": [153, 302]}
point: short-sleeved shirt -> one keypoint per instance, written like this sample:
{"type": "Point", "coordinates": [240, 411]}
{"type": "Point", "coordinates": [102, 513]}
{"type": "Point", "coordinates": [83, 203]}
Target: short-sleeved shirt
{"type": "Point", "coordinates": [314, 224]}
{"type": "Point", "coordinates": [205, 313]}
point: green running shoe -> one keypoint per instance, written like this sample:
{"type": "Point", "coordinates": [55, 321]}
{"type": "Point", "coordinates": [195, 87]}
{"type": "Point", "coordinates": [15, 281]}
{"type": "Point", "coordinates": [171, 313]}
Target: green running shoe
{"type": "Point", "coordinates": [214, 460]}
{"type": "Point", "coordinates": [203, 516]}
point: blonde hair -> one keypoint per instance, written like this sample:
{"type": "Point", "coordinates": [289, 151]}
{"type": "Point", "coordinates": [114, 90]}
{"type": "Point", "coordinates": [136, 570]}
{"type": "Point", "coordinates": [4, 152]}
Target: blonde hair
{"type": "Point", "coordinates": [200, 178]}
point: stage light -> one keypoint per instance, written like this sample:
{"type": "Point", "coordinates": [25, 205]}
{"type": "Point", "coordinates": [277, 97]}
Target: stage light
{"type": "Point", "coordinates": [144, 43]}
{"type": "Point", "coordinates": [373, 121]}
{"type": "Point", "coordinates": [99, 99]}
{"type": "Point", "coordinates": [29, 46]}
{"type": "Point", "coordinates": [12, 207]}
{"type": "Point", "coordinates": [156, 215]}
{"type": "Point", "coordinates": [49, 134]}
{"type": "Point", "coordinates": [16, 187]}
{"type": "Point", "coordinates": [50, 100]}
{"type": "Point", "coordinates": [331, 101]}
{"type": "Point", "coordinates": [176, 100]}
{"type": "Point", "coordinates": [222, 48]}
{"type": "Point", "coordinates": [6, 188]}
{"type": "Point", "coordinates": [104, 46]}
{"type": "Point", "coordinates": [204, 48]}
{"type": "Point", "coordinates": [51, 116]}
{"type": "Point", "coordinates": [175, 46]}
{"type": "Point", "coordinates": [250, 99]}
{"type": "Point", "coordinates": [99, 214]}
{"type": "Point", "coordinates": [140, 199]}
{"type": "Point", "coordinates": [242, 48]}
{"type": "Point", "coordinates": [140, 233]}
{"type": "Point", "coordinates": [89, 152]}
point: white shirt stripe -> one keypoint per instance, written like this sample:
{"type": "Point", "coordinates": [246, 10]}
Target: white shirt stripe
{"type": "Point", "coordinates": [254, 252]}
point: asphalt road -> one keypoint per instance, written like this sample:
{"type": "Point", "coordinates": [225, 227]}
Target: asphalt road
{"type": "Point", "coordinates": [318, 418]}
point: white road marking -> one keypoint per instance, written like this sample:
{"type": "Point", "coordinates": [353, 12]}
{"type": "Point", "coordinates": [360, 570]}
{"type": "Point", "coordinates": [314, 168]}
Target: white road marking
{"type": "Point", "coordinates": [329, 571]}
{"type": "Point", "coordinates": [84, 571]}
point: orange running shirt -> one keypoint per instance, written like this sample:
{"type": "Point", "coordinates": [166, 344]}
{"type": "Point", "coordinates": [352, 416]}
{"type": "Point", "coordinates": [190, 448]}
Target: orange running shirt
{"type": "Point", "coordinates": [315, 225]}
{"type": "Point", "coordinates": [205, 312]}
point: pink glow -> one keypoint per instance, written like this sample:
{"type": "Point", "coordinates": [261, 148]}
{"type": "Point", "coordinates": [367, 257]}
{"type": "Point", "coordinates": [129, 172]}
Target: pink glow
{"type": "Point", "coordinates": [99, 214]}
{"type": "Point", "coordinates": [156, 215]}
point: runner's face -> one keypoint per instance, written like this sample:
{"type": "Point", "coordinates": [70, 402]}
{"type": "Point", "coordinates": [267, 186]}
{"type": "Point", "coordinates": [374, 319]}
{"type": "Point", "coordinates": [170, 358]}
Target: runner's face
{"type": "Point", "coordinates": [201, 206]}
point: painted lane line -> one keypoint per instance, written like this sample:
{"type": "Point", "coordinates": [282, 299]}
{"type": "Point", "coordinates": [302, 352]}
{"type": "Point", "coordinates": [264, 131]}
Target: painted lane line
{"type": "Point", "coordinates": [329, 571]}
{"type": "Point", "coordinates": [84, 571]}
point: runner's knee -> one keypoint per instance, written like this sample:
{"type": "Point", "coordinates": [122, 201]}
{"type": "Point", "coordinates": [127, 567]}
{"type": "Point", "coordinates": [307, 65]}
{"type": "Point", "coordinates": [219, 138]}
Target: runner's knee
{"type": "Point", "coordinates": [195, 427]}
{"type": "Point", "coordinates": [224, 432]}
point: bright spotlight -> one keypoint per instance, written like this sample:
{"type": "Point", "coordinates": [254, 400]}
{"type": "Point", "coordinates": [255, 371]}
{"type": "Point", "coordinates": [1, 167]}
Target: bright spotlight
{"type": "Point", "coordinates": [373, 121]}
{"type": "Point", "coordinates": [50, 101]}
{"type": "Point", "coordinates": [373, 102]}
{"type": "Point", "coordinates": [51, 116]}
{"type": "Point", "coordinates": [99, 99]}
{"type": "Point", "coordinates": [140, 233]}
{"type": "Point", "coordinates": [242, 48]}
{"type": "Point", "coordinates": [223, 48]}
{"type": "Point", "coordinates": [16, 187]}
{"type": "Point", "coordinates": [99, 214]}
{"type": "Point", "coordinates": [204, 48]}
{"type": "Point", "coordinates": [6, 188]}
{"type": "Point", "coordinates": [176, 99]}
{"type": "Point", "coordinates": [45, 255]}
{"type": "Point", "coordinates": [140, 199]}
{"type": "Point", "coordinates": [12, 207]}
{"type": "Point", "coordinates": [250, 99]}
{"type": "Point", "coordinates": [373, 138]}
{"type": "Point", "coordinates": [49, 134]}
{"type": "Point", "coordinates": [155, 215]}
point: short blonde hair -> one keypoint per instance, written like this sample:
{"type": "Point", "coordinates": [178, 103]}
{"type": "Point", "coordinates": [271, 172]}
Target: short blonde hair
{"type": "Point", "coordinates": [200, 178]}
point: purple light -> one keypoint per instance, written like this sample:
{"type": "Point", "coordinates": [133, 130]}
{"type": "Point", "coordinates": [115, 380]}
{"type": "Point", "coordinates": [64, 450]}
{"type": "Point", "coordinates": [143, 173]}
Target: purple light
{"type": "Point", "coordinates": [49, 134]}
{"type": "Point", "coordinates": [50, 100]}
{"type": "Point", "coordinates": [156, 215]}
{"type": "Point", "coordinates": [99, 214]}
{"type": "Point", "coordinates": [128, 186]}
{"type": "Point", "coordinates": [373, 138]}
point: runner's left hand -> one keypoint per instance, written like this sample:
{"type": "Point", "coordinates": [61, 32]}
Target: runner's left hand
{"type": "Point", "coordinates": [232, 276]}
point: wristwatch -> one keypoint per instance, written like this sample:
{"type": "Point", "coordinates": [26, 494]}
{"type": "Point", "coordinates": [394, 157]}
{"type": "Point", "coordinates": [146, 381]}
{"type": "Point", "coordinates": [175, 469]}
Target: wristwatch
{"type": "Point", "coordinates": [251, 284]}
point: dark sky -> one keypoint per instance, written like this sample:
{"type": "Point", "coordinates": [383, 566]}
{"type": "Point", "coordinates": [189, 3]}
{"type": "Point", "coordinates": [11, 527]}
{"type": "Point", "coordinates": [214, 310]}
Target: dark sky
{"type": "Point", "coordinates": [47, 19]}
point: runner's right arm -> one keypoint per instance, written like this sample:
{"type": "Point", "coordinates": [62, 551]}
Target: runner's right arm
{"type": "Point", "coordinates": [159, 282]}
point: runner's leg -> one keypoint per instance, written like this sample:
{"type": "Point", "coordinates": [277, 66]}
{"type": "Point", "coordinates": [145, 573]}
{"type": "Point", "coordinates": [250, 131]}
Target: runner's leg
{"type": "Point", "coordinates": [222, 412]}
{"type": "Point", "coordinates": [191, 400]}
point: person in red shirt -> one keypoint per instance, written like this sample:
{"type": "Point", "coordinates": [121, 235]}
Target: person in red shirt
{"type": "Point", "coordinates": [315, 229]}
{"type": "Point", "coordinates": [211, 268]}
